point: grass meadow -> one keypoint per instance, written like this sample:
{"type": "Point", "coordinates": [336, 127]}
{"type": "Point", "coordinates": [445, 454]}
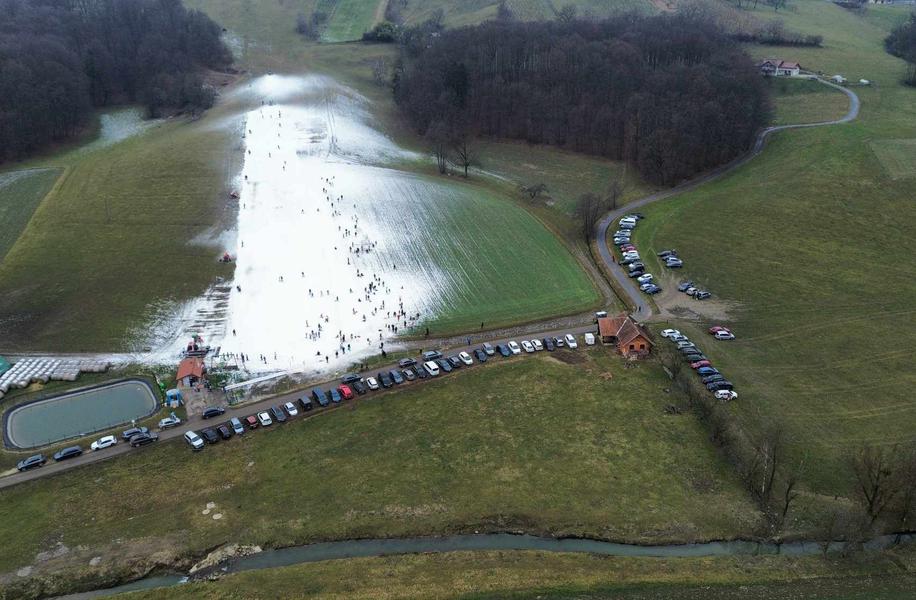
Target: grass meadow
{"type": "Point", "coordinates": [20, 194]}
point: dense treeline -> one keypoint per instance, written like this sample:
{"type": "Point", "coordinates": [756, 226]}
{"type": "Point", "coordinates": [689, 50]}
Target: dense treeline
{"type": "Point", "coordinates": [671, 94]}
{"type": "Point", "coordinates": [902, 43]}
{"type": "Point", "coordinates": [61, 58]}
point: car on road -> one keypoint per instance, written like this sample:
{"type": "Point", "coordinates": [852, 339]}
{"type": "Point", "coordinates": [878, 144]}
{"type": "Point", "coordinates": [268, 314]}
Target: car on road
{"type": "Point", "coordinates": [726, 394]}
{"type": "Point", "coordinates": [251, 421]}
{"type": "Point", "coordinates": [32, 462]}
{"type": "Point", "coordinates": [320, 397]}
{"type": "Point", "coordinates": [724, 335]}
{"type": "Point", "coordinates": [170, 421]}
{"type": "Point", "coordinates": [444, 365]}
{"type": "Point", "coordinates": [704, 371]}
{"type": "Point", "coordinates": [667, 253]}
{"type": "Point", "coordinates": [335, 396]}
{"type": "Point", "coordinates": [105, 442]}
{"type": "Point", "coordinates": [237, 426]}
{"type": "Point", "coordinates": [209, 435]}
{"type": "Point", "coordinates": [345, 391]}
{"type": "Point", "coordinates": [432, 355]}
{"type": "Point", "coordinates": [702, 295]}
{"type": "Point", "coordinates": [527, 346]}
{"type": "Point", "coordinates": [142, 439]}
{"type": "Point", "coordinates": [700, 363]}
{"type": "Point", "coordinates": [645, 278]}
{"type": "Point", "coordinates": [264, 419]}
{"type": "Point", "coordinates": [571, 341]}
{"type": "Point", "coordinates": [673, 262]}
{"type": "Point", "coordinates": [396, 376]}
{"type": "Point", "coordinates": [406, 362]}
{"type": "Point", "coordinates": [372, 383]}
{"type": "Point", "coordinates": [212, 411]}
{"type": "Point", "coordinates": [667, 333]}
{"type": "Point", "coordinates": [351, 378]}
{"type": "Point", "coordinates": [538, 345]}
{"type": "Point", "coordinates": [277, 414]}
{"type": "Point", "coordinates": [431, 368]}
{"type": "Point", "coordinates": [504, 350]}
{"type": "Point", "coordinates": [129, 433]}
{"type": "Point", "coordinates": [684, 286]}
{"type": "Point", "coordinates": [514, 347]}
{"type": "Point", "coordinates": [193, 440]}
{"type": "Point", "coordinates": [465, 358]}
{"type": "Point", "coordinates": [359, 387]}
{"type": "Point", "coordinates": [488, 349]}
{"type": "Point", "coordinates": [69, 452]}
{"type": "Point", "coordinates": [589, 339]}
{"type": "Point", "coordinates": [306, 404]}
{"type": "Point", "coordinates": [224, 431]}
{"type": "Point", "coordinates": [291, 409]}
{"type": "Point", "coordinates": [409, 374]}
{"type": "Point", "coordinates": [480, 355]}
{"type": "Point", "coordinates": [549, 344]}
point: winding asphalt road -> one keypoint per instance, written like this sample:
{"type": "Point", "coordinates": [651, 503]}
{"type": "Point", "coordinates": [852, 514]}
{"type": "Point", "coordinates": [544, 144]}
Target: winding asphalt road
{"type": "Point", "coordinates": [637, 300]}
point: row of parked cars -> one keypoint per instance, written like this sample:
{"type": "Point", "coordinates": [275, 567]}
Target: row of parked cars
{"type": "Point", "coordinates": [629, 255]}
{"type": "Point", "coordinates": [135, 436]}
{"type": "Point", "coordinates": [689, 288]}
{"type": "Point", "coordinates": [714, 381]}
{"type": "Point", "coordinates": [431, 364]}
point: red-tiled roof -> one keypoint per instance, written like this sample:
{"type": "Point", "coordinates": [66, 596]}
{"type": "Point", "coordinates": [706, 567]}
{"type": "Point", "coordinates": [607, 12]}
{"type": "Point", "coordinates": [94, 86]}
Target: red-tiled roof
{"type": "Point", "coordinates": [190, 366]}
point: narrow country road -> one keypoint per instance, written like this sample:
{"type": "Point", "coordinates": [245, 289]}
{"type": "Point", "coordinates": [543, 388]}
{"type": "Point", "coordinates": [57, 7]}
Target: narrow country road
{"type": "Point", "coordinates": [636, 299]}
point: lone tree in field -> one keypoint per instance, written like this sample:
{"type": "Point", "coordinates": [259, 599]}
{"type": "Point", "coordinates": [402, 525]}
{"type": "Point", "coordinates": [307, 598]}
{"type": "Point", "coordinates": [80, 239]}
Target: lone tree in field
{"type": "Point", "coordinates": [589, 208]}
{"type": "Point", "coordinates": [533, 190]}
{"type": "Point", "coordinates": [438, 139]}
{"type": "Point", "coordinates": [876, 480]}
{"type": "Point", "coordinates": [464, 150]}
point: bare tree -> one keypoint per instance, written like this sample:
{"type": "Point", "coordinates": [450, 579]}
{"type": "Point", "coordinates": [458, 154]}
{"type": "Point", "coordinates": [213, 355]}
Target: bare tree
{"type": "Point", "coordinates": [438, 139]}
{"type": "Point", "coordinates": [380, 71]}
{"type": "Point", "coordinates": [905, 507]}
{"type": "Point", "coordinates": [614, 192]}
{"type": "Point", "coordinates": [876, 483]}
{"type": "Point", "coordinates": [567, 14]}
{"type": "Point", "coordinates": [589, 208]}
{"type": "Point", "coordinates": [465, 152]}
{"type": "Point", "coordinates": [533, 190]}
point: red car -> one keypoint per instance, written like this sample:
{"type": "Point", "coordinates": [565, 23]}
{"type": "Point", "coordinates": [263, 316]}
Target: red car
{"type": "Point", "coordinates": [346, 392]}
{"type": "Point", "coordinates": [251, 421]}
{"type": "Point", "coordinates": [627, 248]}
{"type": "Point", "coordinates": [717, 328]}
{"type": "Point", "coordinates": [700, 363]}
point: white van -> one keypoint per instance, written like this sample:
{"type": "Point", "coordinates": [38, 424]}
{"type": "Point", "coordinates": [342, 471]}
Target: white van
{"type": "Point", "coordinates": [589, 339]}
{"type": "Point", "coordinates": [193, 440]}
{"type": "Point", "coordinates": [431, 368]}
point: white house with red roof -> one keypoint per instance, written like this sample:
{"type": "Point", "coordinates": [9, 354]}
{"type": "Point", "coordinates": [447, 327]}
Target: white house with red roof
{"type": "Point", "coordinates": [779, 68]}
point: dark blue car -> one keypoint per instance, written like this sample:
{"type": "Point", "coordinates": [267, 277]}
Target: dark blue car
{"type": "Point", "coordinates": [335, 396]}
{"type": "Point", "coordinates": [504, 350]}
{"type": "Point", "coordinates": [320, 397]}
{"type": "Point", "coordinates": [396, 376]}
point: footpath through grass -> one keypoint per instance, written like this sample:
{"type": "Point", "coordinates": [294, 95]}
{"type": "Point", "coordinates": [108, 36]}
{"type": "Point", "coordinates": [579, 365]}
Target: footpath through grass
{"type": "Point", "coordinates": [570, 443]}
{"type": "Point", "coordinates": [811, 246]}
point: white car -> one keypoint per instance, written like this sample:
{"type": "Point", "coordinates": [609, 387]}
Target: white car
{"type": "Point", "coordinates": [670, 332]}
{"type": "Point", "coordinates": [465, 358]}
{"type": "Point", "coordinates": [264, 419]}
{"type": "Point", "coordinates": [589, 339]}
{"type": "Point", "coordinates": [528, 346]}
{"type": "Point", "coordinates": [538, 345]}
{"type": "Point", "coordinates": [371, 383]}
{"type": "Point", "coordinates": [679, 338]}
{"type": "Point", "coordinates": [169, 422]}
{"type": "Point", "coordinates": [571, 341]}
{"type": "Point", "coordinates": [291, 409]}
{"type": "Point", "coordinates": [724, 335]}
{"type": "Point", "coordinates": [106, 442]}
{"type": "Point", "coordinates": [513, 347]}
{"type": "Point", "coordinates": [431, 367]}
{"type": "Point", "coordinates": [726, 395]}
{"type": "Point", "coordinates": [647, 278]}
{"type": "Point", "coordinates": [194, 440]}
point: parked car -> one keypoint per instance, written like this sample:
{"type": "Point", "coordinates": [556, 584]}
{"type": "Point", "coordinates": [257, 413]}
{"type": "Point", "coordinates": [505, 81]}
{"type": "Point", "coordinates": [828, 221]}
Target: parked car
{"type": "Point", "coordinates": [212, 411]}
{"type": "Point", "coordinates": [707, 371]}
{"type": "Point", "coordinates": [684, 343]}
{"type": "Point", "coordinates": [673, 262]}
{"type": "Point", "coordinates": [652, 289]}
{"type": "Point", "coordinates": [645, 278]}
{"type": "Point", "coordinates": [432, 355]}
{"type": "Point", "coordinates": [679, 338]}
{"type": "Point", "coordinates": [702, 295]}
{"type": "Point", "coordinates": [504, 350]}
{"type": "Point", "coordinates": [711, 378]}
{"type": "Point", "coordinates": [264, 419]}
{"type": "Point", "coordinates": [351, 378]}
{"type": "Point", "coordinates": [646, 286]}
{"type": "Point", "coordinates": [422, 373]}
{"type": "Point", "coordinates": [527, 346]}
{"type": "Point", "coordinates": [209, 435]}
{"type": "Point", "coordinates": [431, 368]}
{"type": "Point", "coordinates": [396, 376]}
{"type": "Point", "coordinates": [306, 404]}
{"type": "Point", "coordinates": [571, 341]}
{"type": "Point", "coordinates": [277, 414]}
{"type": "Point", "coordinates": [691, 291]}
{"type": "Point", "coordinates": [589, 339]}
{"type": "Point", "coordinates": [335, 395]}
{"type": "Point", "coordinates": [291, 409]}
{"type": "Point", "coordinates": [636, 273]}
{"type": "Point", "coordinates": [514, 347]}
{"type": "Point", "coordinates": [465, 358]}
{"type": "Point", "coordinates": [32, 462]}
{"type": "Point", "coordinates": [105, 442]}
{"type": "Point", "coordinates": [444, 365]}
{"type": "Point", "coordinates": [684, 285]}
{"type": "Point", "coordinates": [726, 394]}
{"type": "Point", "coordinates": [129, 433]}
{"type": "Point", "coordinates": [142, 439]}
{"type": "Point", "coordinates": [406, 362]}
{"type": "Point", "coordinates": [193, 440]}
{"type": "Point", "coordinates": [251, 421]}
{"type": "Point", "coordinates": [636, 266]}
{"type": "Point", "coordinates": [549, 344]}
{"type": "Point", "coordinates": [715, 386]}
{"type": "Point", "coordinates": [667, 333]}
{"type": "Point", "coordinates": [69, 452]}
{"type": "Point", "coordinates": [688, 350]}
{"type": "Point", "coordinates": [700, 363]}
{"type": "Point", "coordinates": [170, 421]}
{"type": "Point", "coordinates": [538, 345]}
{"type": "Point", "coordinates": [320, 397]}
{"type": "Point", "coordinates": [717, 328]}
{"type": "Point", "coordinates": [345, 391]}
{"type": "Point", "coordinates": [359, 387]}
{"type": "Point", "coordinates": [724, 335]}
{"type": "Point", "coordinates": [372, 383]}
{"type": "Point", "coordinates": [667, 253]}
{"type": "Point", "coordinates": [629, 260]}
{"type": "Point", "coordinates": [559, 341]}
{"type": "Point", "coordinates": [694, 357]}
{"type": "Point", "coordinates": [488, 349]}
{"type": "Point", "coordinates": [224, 431]}
{"type": "Point", "coordinates": [409, 374]}
{"type": "Point", "coordinates": [455, 361]}
{"type": "Point", "coordinates": [480, 355]}
{"type": "Point", "coordinates": [237, 426]}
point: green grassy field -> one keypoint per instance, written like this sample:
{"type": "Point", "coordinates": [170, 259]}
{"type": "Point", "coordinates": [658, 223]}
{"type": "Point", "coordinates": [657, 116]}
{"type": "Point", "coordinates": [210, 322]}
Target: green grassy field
{"type": "Point", "coordinates": [350, 18]}
{"type": "Point", "coordinates": [822, 309]}
{"type": "Point", "coordinates": [571, 443]}
{"type": "Point", "coordinates": [552, 576]}
{"type": "Point", "coordinates": [803, 101]}
{"type": "Point", "coordinates": [20, 194]}
{"type": "Point", "coordinates": [471, 12]}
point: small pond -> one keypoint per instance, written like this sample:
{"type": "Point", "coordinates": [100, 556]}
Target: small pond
{"type": "Point", "coordinates": [78, 413]}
